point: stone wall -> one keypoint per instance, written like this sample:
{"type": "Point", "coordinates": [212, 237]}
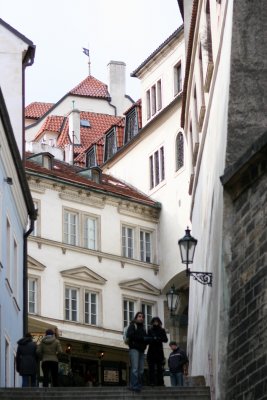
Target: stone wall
{"type": "Point", "coordinates": [246, 185]}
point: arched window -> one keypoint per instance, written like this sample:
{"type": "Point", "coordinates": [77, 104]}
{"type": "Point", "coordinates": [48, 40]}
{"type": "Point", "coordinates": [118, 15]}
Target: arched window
{"type": "Point", "coordinates": [179, 151]}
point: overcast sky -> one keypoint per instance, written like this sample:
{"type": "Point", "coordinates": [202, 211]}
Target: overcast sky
{"type": "Point", "coordinates": [121, 30]}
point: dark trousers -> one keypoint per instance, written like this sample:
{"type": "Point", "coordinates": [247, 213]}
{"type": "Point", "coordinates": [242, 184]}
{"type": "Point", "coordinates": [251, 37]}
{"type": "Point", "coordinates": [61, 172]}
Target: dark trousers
{"type": "Point", "coordinates": [155, 373]}
{"type": "Point", "coordinates": [50, 367]}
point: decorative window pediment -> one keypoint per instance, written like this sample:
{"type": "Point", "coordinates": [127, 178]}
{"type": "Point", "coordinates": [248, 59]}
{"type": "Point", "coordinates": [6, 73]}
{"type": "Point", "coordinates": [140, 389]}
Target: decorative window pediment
{"type": "Point", "coordinates": [83, 274]}
{"type": "Point", "coordinates": [34, 264]}
{"type": "Point", "coordinates": [140, 285]}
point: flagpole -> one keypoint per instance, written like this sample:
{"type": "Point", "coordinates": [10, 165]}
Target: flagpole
{"type": "Point", "coordinates": [89, 61]}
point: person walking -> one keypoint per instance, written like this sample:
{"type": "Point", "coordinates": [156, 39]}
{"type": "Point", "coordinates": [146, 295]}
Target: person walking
{"type": "Point", "coordinates": [48, 351]}
{"type": "Point", "coordinates": [26, 360]}
{"type": "Point", "coordinates": [155, 356]}
{"type": "Point", "coordinates": [177, 362]}
{"type": "Point", "coordinates": [136, 335]}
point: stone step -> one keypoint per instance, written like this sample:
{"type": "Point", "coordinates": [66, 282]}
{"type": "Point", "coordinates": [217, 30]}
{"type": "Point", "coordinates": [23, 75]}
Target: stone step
{"type": "Point", "coordinates": [105, 393]}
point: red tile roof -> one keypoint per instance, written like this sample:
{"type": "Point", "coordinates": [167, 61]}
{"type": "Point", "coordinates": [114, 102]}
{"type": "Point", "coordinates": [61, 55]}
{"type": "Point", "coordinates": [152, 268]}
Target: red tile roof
{"type": "Point", "coordinates": [37, 109]}
{"type": "Point", "coordinates": [52, 123]}
{"type": "Point", "coordinates": [99, 124]}
{"type": "Point", "coordinates": [91, 87]}
{"type": "Point", "coordinates": [68, 174]}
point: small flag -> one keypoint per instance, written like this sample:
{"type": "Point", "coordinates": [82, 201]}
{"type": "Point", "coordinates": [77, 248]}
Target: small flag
{"type": "Point", "coordinates": [86, 52]}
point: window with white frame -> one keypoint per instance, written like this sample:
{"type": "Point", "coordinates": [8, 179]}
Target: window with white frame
{"type": "Point", "coordinates": [145, 246]}
{"type": "Point", "coordinates": [157, 167]}
{"type": "Point", "coordinates": [71, 227]}
{"type": "Point", "coordinates": [81, 305]}
{"type": "Point", "coordinates": [178, 78]}
{"type": "Point", "coordinates": [32, 295]}
{"type": "Point", "coordinates": [81, 229]}
{"type": "Point", "coordinates": [15, 268]}
{"type": "Point", "coordinates": [71, 304]}
{"type": "Point", "coordinates": [179, 149]}
{"type": "Point", "coordinates": [127, 242]}
{"type": "Point", "coordinates": [128, 312]}
{"type": "Point", "coordinates": [90, 232]}
{"type": "Point", "coordinates": [90, 308]}
{"type": "Point", "coordinates": [147, 309]}
{"type": "Point", "coordinates": [154, 99]}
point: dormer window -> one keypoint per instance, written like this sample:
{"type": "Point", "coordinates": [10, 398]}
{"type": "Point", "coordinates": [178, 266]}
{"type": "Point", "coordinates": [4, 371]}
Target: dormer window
{"type": "Point", "coordinates": [43, 159]}
{"type": "Point", "coordinates": [91, 173]}
{"type": "Point", "coordinates": [91, 158]}
{"type": "Point", "coordinates": [131, 126]}
{"type": "Point", "coordinates": [110, 145]}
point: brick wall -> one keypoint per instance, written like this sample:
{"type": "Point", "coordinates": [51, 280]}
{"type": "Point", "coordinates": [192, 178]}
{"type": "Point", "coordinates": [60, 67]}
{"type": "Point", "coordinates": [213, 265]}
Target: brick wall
{"type": "Point", "coordinates": [247, 272]}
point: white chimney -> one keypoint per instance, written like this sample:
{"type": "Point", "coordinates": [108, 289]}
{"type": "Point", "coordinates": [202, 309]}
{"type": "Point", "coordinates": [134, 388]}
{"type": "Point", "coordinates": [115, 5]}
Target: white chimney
{"type": "Point", "coordinates": [74, 126]}
{"type": "Point", "coordinates": [117, 84]}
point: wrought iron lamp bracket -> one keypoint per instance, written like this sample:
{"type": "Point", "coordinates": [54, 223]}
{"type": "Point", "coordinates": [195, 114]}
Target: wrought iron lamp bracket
{"type": "Point", "coordinates": [205, 278]}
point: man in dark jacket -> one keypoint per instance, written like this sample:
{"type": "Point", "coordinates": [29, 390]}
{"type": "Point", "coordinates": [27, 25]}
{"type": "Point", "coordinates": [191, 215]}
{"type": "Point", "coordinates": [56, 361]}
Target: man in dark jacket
{"type": "Point", "coordinates": [155, 356]}
{"type": "Point", "coordinates": [136, 335]}
{"type": "Point", "coordinates": [26, 360]}
{"type": "Point", "coordinates": [177, 362]}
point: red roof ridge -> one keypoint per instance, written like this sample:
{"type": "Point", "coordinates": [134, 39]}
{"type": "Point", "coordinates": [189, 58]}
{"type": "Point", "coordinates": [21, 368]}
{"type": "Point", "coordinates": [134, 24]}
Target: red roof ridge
{"type": "Point", "coordinates": [91, 87]}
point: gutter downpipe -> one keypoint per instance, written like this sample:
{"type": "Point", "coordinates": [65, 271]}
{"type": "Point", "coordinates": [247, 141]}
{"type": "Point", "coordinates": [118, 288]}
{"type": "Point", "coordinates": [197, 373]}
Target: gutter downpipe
{"type": "Point", "coordinates": [27, 61]}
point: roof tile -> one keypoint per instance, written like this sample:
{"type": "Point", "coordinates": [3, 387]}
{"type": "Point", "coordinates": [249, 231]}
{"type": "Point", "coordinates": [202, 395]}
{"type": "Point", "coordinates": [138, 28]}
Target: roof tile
{"type": "Point", "coordinates": [91, 87]}
{"type": "Point", "coordinates": [37, 109]}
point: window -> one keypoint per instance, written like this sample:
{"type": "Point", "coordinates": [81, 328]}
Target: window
{"type": "Point", "coordinates": [128, 312]}
{"type": "Point", "coordinates": [157, 167]}
{"type": "Point", "coordinates": [15, 268]}
{"type": "Point", "coordinates": [32, 296]}
{"type": "Point", "coordinates": [70, 228]}
{"type": "Point", "coordinates": [147, 309]}
{"type": "Point", "coordinates": [131, 126]}
{"type": "Point", "coordinates": [154, 99]}
{"type": "Point", "coordinates": [90, 308]}
{"type": "Point", "coordinates": [91, 158]}
{"type": "Point", "coordinates": [179, 151]}
{"type": "Point", "coordinates": [8, 250]}
{"type": "Point", "coordinates": [90, 231]}
{"type": "Point", "coordinates": [145, 246]}
{"type": "Point", "coordinates": [110, 147]}
{"type": "Point", "coordinates": [71, 304]}
{"type": "Point", "coordinates": [127, 242]}
{"type": "Point", "coordinates": [81, 229]}
{"type": "Point", "coordinates": [178, 79]}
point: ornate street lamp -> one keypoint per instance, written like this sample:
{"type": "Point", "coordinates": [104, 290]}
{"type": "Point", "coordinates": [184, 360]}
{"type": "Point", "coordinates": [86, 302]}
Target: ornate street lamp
{"type": "Point", "coordinates": [172, 299]}
{"type": "Point", "coordinates": [187, 249]}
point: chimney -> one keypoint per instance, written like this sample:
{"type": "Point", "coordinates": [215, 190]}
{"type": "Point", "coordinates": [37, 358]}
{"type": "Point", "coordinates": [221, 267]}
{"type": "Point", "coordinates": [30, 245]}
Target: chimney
{"type": "Point", "coordinates": [117, 84]}
{"type": "Point", "coordinates": [74, 126]}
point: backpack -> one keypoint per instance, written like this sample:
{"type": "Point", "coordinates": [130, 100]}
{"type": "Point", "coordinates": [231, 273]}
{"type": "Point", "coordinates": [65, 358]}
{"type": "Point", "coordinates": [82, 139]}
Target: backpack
{"type": "Point", "coordinates": [124, 335]}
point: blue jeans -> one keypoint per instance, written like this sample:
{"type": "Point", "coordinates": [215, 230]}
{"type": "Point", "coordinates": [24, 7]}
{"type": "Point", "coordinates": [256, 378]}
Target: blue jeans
{"type": "Point", "coordinates": [177, 378]}
{"type": "Point", "coordinates": [28, 380]}
{"type": "Point", "coordinates": [137, 359]}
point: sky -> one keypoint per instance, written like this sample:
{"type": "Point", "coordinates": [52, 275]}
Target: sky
{"type": "Point", "coordinates": [120, 30]}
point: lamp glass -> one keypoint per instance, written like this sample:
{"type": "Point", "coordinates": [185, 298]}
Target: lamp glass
{"type": "Point", "coordinates": [172, 299]}
{"type": "Point", "coordinates": [187, 247]}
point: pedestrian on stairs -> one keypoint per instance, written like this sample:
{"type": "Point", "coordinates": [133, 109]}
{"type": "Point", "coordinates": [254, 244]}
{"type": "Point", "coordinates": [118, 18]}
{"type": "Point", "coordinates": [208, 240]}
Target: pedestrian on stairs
{"type": "Point", "coordinates": [155, 356]}
{"type": "Point", "coordinates": [136, 335]}
{"type": "Point", "coordinates": [48, 351]}
{"type": "Point", "coordinates": [26, 360]}
{"type": "Point", "coordinates": [178, 363]}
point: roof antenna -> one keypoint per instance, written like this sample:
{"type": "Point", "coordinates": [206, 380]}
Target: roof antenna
{"type": "Point", "coordinates": [87, 53]}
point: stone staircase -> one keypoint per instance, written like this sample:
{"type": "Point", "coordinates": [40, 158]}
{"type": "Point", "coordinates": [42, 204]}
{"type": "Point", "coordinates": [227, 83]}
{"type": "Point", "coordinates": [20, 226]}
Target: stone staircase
{"type": "Point", "coordinates": [105, 393]}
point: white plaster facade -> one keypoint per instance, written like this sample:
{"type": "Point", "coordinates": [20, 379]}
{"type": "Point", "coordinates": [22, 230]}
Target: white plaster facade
{"type": "Point", "coordinates": [161, 130]}
{"type": "Point", "coordinates": [205, 126]}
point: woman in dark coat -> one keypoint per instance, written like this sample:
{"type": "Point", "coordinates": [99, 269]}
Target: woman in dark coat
{"type": "Point", "coordinates": [155, 356]}
{"type": "Point", "coordinates": [26, 360]}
